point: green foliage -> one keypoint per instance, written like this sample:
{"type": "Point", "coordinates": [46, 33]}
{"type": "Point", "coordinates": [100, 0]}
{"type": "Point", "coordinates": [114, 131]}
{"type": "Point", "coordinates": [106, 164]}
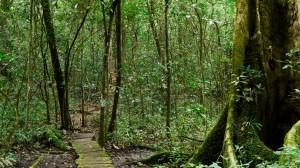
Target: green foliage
{"type": "Point", "coordinates": [188, 130]}
{"type": "Point", "coordinates": [29, 136]}
{"type": "Point", "coordinates": [9, 110]}
{"type": "Point", "coordinates": [7, 160]}
{"type": "Point", "coordinates": [200, 45]}
{"type": "Point", "coordinates": [292, 60]}
{"type": "Point", "coordinates": [290, 158]}
{"type": "Point", "coordinates": [199, 110]}
{"type": "Point", "coordinates": [54, 137]}
{"type": "Point", "coordinates": [248, 84]}
{"type": "Point", "coordinates": [43, 134]}
{"type": "Point", "coordinates": [250, 127]}
{"type": "Point", "coordinates": [6, 57]}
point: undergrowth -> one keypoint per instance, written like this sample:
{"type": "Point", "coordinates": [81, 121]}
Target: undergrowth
{"type": "Point", "coordinates": [7, 160]}
{"type": "Point", "coordinates": [187, 132]}
{"type": "Point", "coordinates": [45, 135]}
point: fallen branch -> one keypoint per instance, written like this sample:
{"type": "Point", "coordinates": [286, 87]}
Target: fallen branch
{"type": "Point", "coordinates": [37, 162]}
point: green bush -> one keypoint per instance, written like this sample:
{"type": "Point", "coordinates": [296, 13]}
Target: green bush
{"type": "Point", "coordinates": [44, 134]}
{"type": "Point", "coordinates": [291, 158]}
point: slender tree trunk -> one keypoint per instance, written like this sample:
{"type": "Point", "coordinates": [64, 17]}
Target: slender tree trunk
{"type": "Point", "coordinates": [168, 71]}
{"type": "Point", "coordinates": [82, 75]}
{"type": "Point", "coordinates": [58, 75]}
{"type": "Point", "coordinates": [46, 90]}
{"type": "Point", "coordinates": [112, 124]}
{"type": "Point", "coordinates": [29, 63]}
{"type": "Point", "coordinates": [68, 67]}
{"type": "Point", "coordinates": [46, 78]}
{"type": "Point", "coordinates": [104, 96]}
{"type": "Point", "coordinates": [154, 31]}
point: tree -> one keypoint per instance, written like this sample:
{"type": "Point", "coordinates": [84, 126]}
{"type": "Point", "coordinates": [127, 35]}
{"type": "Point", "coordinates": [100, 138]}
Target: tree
{"type": "Point", "coordinates": [163, 55]}
{"type": "Point", "coordinates": [107, 39]}
{"type": "Point", "coordinates": [168, 70]}
{"type": "Point", "coordinates": [157, 38]}
{"type": "Point", "coordinates": [69, 54]}
{"type": "Point", "coordinates": [260, 94]}
{"type": "Point", "coordinates": [112, 123]}
{"type": "Point", "coordinates": [58, 75]}
{"type": "Point", "coordinates": [29, 62]}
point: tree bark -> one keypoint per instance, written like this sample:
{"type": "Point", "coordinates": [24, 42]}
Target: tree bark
{"type": "Point", "coordinates": [67, 61]}
{"type": "Point", "coordinates": [264, 32]}
{"type": "Point", "coordinates": [29, 63]}
{"type": "Point", "coordinates": [112, 125]}
{"type": "Point", "coordinates": [167, 72]}
{"type": "Point", "coordinates": [154, 31]}
{"type": "Point", "coordinates": [104, 96]}
{"type": "Point", "coordinates": [58, 75]}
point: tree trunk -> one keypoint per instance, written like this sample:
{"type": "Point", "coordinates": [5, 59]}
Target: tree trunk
{"type": "Point", "coordinates": [29, 63]}
{"type": "Point", "coordinates": [264, 32]}
{"type": "Point", "coordinates": [107, 39]}
{"type": "Point", "coordinates": [58, 75]}
{"type": "Point", "coordinates": [157, 39]}
{"type": "Point", "coordinates": [167, 72]}
{"type": "Point", "coordinates": [112, 124]}
{"type": "Point", "coordinates": [46, 78]}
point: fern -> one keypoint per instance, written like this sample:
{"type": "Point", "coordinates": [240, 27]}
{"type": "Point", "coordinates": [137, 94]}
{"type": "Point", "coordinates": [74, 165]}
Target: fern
{"type": "Point", "coordinates": [55, 138]}
{"type": "Point", "coordinates": [7, 161]}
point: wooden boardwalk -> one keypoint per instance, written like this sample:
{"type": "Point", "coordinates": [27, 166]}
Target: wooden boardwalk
{"type": "Point", "coordinates": [91, 155]}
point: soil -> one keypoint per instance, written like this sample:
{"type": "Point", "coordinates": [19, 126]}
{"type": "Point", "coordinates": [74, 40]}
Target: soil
{"type": "Point", "coordinates": [128, 157]}
{"type": "Point", "coordinates": [51, 158]}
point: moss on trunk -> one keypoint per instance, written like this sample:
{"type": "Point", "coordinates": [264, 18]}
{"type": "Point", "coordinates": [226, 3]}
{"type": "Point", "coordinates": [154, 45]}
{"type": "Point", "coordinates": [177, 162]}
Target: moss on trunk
{"type": "Point", "coordinates": [264, 32]}
{"type": "Point", "coordinates": [211, 149]}
{"type": "Point", "coordinates": [292, 138]}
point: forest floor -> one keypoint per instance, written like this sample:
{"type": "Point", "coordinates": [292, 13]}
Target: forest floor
{"type": "Point", "coordinates": [122, 157]}
{"type": "Point", "coordinates": [48, 156]}
{"type": "Point", "coordinates": [129, 157]}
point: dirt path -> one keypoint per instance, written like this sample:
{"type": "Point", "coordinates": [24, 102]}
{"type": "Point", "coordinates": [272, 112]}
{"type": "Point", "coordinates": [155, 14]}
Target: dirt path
{"type": "Point", "coordinates": [90, 154]}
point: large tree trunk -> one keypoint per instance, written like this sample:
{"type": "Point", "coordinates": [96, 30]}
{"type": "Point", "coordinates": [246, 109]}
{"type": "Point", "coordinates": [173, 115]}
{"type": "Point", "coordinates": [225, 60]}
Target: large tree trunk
{"type": "Point", "coordinates": [280, 34]}
{"type": "Point", "coordinates": [265, 30]}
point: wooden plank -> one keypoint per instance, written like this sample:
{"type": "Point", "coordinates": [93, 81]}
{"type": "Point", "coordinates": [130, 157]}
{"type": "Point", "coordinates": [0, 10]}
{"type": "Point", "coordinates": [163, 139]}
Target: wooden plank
{"type": "Point", "coordinates": [91, 155]}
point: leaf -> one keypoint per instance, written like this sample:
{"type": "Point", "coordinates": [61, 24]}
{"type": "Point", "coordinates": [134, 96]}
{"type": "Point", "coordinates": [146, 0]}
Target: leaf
{"type": "Point", "coordinates": [286, 66]}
